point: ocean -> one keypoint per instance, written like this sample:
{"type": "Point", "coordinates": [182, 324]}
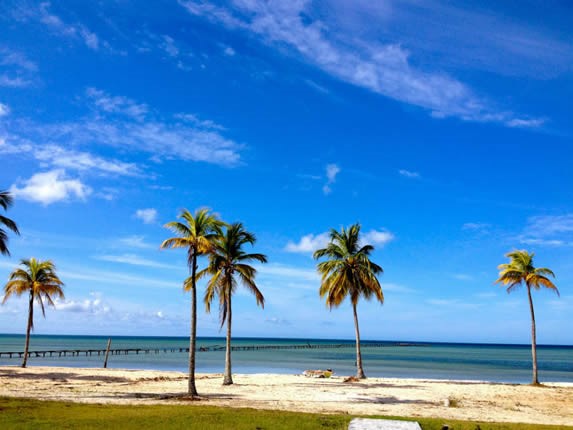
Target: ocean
{"type": "Point", "coordinates": [460, 361]}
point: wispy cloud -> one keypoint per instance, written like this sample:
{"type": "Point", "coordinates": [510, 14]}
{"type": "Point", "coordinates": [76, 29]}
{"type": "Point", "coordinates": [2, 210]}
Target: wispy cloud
{"type": "Point", "coordinates": [123, 123]}
{"type": "Point", "coordinates": [134, 260]}
{"type": "Point", "coordinates": [116, 104]}
{"type": "Point", "coordinates": [476, 226]}
{"type": "Point", "coordinates": [136, 242]}
{"type": "Point", "coordinates": [58, 26]}
{"type": "Point", "coordinates": [385, 69]}
{"type": "Point", "coordinates": [51, 156]}
{"type": "Point", "coordinates": [50, 187]}
{"type": "Point", "coordinates": [4, 109]}
{"type": "Point", "coordinates": [409, 174]}
{"type": "Point", "coordinates": [548, 230]}
{"type": "Point", "coordinates": [148, 216]}
{"type": "Point", "coordinates": [332, 170]}
{"type": "Point", "coordinates": [16, 70]}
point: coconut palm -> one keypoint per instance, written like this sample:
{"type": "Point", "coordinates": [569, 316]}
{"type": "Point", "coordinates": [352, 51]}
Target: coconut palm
{"type": "Point", "coordinates": [6, 201]}
{"type": "Point", "coordinates": [227, 265]}
{"type": "Point", "coordinates": [39, 279]}
{"type": "Point", "coordinates": [519, 271]}
{"type": "Point", "coordinates": [196, 232]}
{"type": "Point", "coordinates": [348, 271]}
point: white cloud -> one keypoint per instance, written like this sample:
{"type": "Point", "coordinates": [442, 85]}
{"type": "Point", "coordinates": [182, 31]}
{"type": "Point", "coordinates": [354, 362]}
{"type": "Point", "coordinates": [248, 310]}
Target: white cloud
{"type": "Point", "coordinates": [9, 58]}
{"type": "Point", "coordinates": [50, 187]}
{"type": "Point", "coordinates": [230, 52]}
{"type": "Point", "coordinates": [4, 110]}
{"type": "Point", "coordinates": [56, 156]}
{"type": "Point", "coordinates": [74, 31]}
{"type": "Point", "coordinates": [549, 230]}
{"type": "Point", "coordinates": [83, 161]}
{"type": "Point", "coordinates": [476, 226]}
{"type": "Point", "coordinates": [116, 104]}
{"type": "Point", "coordinates": [148, 216]}
{"type": "Point", "coordinates": [201, 123]}
{"type": "Point", "coordinates": [385, 69]}
{"type": "Point", "coordinates": [134, 260]}
{"type": "Point", "coordinates": [332, 170]}
{"type": "Point", "coordinates": [409, 174]}
{"type": "Point", "coordinates": [123, 123]}
{"type": "Point", "coordinates": [380, 238]}
{"type": "Point", "coordinates": [90, 306]}
{"type": "Point", "coordinates": [11, 82]}
{"type": "Point", "coordinates": [308, 243]}
{"type": "Point", "coordinates": [462, 277]}
{"type": "Point", "coordinates": [135, 242]}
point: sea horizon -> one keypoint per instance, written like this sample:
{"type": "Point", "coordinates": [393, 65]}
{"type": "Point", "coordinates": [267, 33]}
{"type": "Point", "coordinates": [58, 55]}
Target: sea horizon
{"type": "Point", "coordinates": [507, 363]}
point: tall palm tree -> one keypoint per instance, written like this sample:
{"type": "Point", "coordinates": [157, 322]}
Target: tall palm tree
{"type": "Point", "coordinates": [227, 264]}
{"type": "Point", "coordinates": [348, 271]}
{"type": "Point", "coordinates": [518, 271]}
{"type": "Point", "coordinates": [6, 201]}
{"type": "Point", "coordinates": [39, 279]}
{"type": "Point", "coordinates": [196, 232]}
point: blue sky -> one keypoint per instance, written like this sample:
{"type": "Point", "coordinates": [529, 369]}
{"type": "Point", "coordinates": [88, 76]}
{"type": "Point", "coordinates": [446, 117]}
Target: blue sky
{"type": "Point", "coordinates": [444, 128]}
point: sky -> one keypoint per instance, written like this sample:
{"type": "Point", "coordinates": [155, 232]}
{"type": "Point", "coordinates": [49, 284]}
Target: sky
{"type": "Point", "coordinates": [444, 128]}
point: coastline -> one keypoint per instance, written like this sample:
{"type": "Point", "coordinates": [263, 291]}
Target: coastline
{"type": "Point", "coordinates": [449, 399]}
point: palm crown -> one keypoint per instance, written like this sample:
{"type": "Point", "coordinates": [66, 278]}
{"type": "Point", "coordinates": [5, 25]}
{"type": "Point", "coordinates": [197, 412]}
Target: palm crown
{"type": "Point", "coordinates": [6, 201]}
{"type": "Point", "coordinates": [228, 259]}
{"type": "Point", "coordinates": [348, 270]}
{"type": "Point", "coordinates": [37, 278]}
{"type": "Point", "coordinates": [520, 270]}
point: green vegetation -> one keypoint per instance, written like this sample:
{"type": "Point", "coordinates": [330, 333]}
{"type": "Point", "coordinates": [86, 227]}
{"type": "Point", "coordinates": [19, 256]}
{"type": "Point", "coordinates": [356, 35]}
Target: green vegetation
{"type": "Point", "coordinates": [39, 280]}
{"type": "Point", "coordinates": [6, 201]}
{"type": "Point", "coordinates": [227, 262]}
{"type": "Point", "coordinates": [518, 271]}
{"type": "Point", "coordinates": [196, 234]}
{"type": "Point", "coordinates": [36, 414]}
{"type": "Point", "coordinates": [348, 271]}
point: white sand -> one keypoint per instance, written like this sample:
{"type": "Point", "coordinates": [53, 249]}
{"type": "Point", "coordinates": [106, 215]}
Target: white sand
{"type": "Point", "coordinates": [552, 404]}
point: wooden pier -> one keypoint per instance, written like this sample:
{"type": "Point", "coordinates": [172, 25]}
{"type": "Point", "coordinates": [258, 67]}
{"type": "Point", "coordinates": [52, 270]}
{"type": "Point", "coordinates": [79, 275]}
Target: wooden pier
{"type": "Point", "coordinates": [127, 351]}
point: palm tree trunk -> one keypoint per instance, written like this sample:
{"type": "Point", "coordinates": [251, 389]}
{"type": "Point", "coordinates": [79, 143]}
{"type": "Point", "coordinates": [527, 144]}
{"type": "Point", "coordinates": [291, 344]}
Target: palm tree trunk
{"type": "Point", "coordinates": [228, 378]}
{"type": "Point", "coordinates": [359, 370]}
{"type": "Point", "coordinates": [535, 380]}
{"type": "Point", "coordinates": [191, 389]}
{"type": "Point", "coordinates": [29, 328]}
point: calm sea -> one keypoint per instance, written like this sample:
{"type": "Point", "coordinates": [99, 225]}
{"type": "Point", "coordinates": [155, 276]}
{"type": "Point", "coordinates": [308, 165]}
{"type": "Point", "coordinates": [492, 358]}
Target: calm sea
{"type": "Point", "coordinates": [484, 362]}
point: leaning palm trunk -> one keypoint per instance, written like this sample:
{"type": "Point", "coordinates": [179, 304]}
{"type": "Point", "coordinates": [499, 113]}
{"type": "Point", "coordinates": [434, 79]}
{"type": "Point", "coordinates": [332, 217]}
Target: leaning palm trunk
{"type": "Point", "coordinates": [191, 389]}
{"type": "Point", "coordinates": [535, 380]}
{"type": "Point", "coordinates": [29, 328]}
{"type": "Point", "coordinates": [359, 370]}
{"type": "Point", "coordinates": [228, 378]}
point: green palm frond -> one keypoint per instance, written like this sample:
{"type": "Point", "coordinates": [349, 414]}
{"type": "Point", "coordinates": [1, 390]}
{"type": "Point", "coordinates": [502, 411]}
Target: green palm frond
{"type": "Point", "coordinates": [228, 263]}
{"type": "Point", "coordinates": [521, 271]}
{"type": "Point", "coordinates": [37, 278]}
{"type": "Point", "coordinates": [348, 270]}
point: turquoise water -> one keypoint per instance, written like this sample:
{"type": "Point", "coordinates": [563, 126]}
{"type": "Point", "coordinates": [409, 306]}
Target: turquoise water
{"type": "Point", "coordinates": [486, 362]}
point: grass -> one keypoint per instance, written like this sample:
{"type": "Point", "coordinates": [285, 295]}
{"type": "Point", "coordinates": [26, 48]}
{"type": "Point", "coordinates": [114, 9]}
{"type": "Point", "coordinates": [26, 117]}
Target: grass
{"type": "Point", "coordinates": [36, 414]}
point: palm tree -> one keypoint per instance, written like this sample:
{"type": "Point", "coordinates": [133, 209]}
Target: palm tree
{"type": "Point", "coordinates": [196, 232]}
{"type": "Point", "coordinates": [6, 201]}
{"type": "Point", "coordinates": [348, 271]}
{"type": "Point", "coordinates": [39, 279]}
{"type": "Point", "coordinates": [518, 271]}
{"type": "Point", "coordinates": [227, 263]}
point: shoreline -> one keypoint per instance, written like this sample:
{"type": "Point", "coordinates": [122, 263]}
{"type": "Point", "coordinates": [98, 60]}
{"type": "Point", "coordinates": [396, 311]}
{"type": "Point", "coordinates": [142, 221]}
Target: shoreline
{"type": "Point", "coordinates": [448, 399]}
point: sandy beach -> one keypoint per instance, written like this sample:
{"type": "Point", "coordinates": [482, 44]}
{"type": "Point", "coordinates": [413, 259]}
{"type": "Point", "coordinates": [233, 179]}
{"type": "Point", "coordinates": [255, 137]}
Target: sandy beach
{"type": "Point", "coordinates": [552, 404]}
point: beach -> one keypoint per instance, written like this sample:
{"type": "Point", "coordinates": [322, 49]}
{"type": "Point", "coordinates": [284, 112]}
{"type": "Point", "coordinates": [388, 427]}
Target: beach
{"type": "Point", "coordinates": [464, 400]}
